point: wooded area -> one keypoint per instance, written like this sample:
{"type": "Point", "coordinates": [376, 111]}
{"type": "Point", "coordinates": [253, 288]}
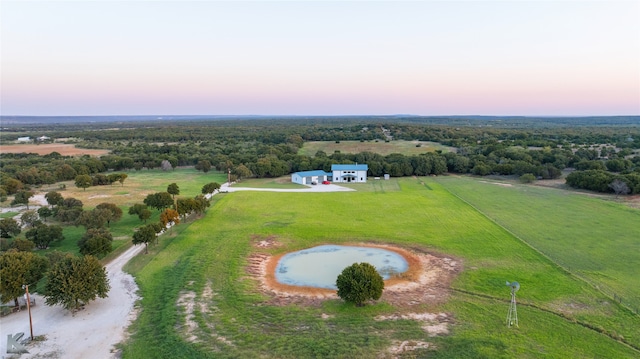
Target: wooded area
{"type": "Point", "coordinates": [269, 147]}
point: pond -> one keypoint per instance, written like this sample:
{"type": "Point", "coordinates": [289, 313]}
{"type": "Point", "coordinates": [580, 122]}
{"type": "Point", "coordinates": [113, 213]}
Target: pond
{"type": "Point", "coordinates": [320, 266]}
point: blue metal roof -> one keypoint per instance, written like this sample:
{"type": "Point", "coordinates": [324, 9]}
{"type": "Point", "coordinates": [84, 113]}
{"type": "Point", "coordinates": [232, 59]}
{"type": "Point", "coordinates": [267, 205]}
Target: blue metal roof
{"type": "Point", "coordinates": [351, 167]}
{"type": "Point", "coordinates": [314, 173]}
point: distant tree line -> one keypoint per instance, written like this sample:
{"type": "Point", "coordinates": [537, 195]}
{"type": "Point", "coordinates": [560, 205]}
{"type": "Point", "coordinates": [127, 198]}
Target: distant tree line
{"type": "Point", "coordinates": [261, 148]}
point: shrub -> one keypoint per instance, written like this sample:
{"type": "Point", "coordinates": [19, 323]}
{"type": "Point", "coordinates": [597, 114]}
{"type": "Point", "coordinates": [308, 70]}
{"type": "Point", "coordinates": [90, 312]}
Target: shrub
{"type": "Point", "coordinates": [527, 178]}
{"type": "Point", "coordinates": [360, 282]}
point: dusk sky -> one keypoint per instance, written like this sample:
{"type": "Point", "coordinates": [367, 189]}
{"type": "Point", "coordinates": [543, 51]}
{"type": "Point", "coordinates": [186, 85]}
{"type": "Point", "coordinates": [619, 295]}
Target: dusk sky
{"type": "Point", "coordinates": [532, 58]}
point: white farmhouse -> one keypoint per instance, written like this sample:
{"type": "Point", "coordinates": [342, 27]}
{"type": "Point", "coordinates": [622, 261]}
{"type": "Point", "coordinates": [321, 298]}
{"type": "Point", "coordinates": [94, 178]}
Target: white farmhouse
{"type": "Point", "coordinates": [349, 173]}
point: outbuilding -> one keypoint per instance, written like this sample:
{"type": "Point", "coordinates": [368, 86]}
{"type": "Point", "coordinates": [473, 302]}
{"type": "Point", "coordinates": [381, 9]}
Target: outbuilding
{"type": "Point", "coordinates": [310, 177]}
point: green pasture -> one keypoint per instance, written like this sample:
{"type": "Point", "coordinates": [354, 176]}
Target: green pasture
{"type": "Point", "coordinates": [384, 148]}
{"type": "Point", "coordinates": [595, 239]}
{"type": "Point", "coordinates": [139, 184]}
{"type": "Point", "coordinates": [8, 214]}
{"type": "Point", "coordinates": [560, 315]}
{"type": "Point", "coordinates": [280, 182]}
{"type": "Point", "coordinates": [134, 190]}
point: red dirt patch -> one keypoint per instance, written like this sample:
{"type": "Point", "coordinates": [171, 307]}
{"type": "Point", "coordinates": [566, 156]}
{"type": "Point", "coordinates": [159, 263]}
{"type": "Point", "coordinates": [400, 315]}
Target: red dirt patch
{"type": "Point", "coordinates": [47, 148]}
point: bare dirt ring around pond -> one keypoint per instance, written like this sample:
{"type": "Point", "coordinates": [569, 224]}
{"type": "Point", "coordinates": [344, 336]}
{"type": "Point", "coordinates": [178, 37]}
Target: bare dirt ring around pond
{"type": "Point", "coordinates": [426, 282]}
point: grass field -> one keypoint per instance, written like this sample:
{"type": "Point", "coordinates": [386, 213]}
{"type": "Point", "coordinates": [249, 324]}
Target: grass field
{"type": "Point", "coordinates": [595, 239]}
{"type": "Point", "coordinates": [280, 182]}
{"type": "Point", "coordinates": [560, 315]}
{"type": "Point", "coordinates": [8, 214]}
{"type": "Point", "coordinates": [384, 148]}
{"type": "Point", "coordinates": [138, 185]}
{"type": "Point", "coordinates": [47, 148]}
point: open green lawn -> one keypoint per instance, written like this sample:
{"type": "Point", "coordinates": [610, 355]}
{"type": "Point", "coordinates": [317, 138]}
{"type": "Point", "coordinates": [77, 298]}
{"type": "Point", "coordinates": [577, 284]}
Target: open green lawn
{"type": "Point", "coordinates": [138, 185]}
{"type": "Point", "coordinates": [8, 214]}
{"type": "Point", "coordinates": [280, 182]}
{"type": "Point", "coordinates": [384, 148]}
{"type": "Point", "coordinates": [595, 239]}
{"type": "Point", "coordinates": [560, 315]}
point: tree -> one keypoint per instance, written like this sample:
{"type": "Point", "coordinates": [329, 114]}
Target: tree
{"type": "Point", "coordinates": [619, 187]}
{"type": "Point", "coordinates": [45, 212]}
{"type": "Point", "coordinates": [360, 282]}
{"type": "Point", "coordinates": [203, 165]}
{"type": "Point", "coordinates": [141, 211]}
{"type": "Point", "coordinates": [173, 190]}
{"type": "Point", "coordinates": [76, 280]}
{"type": "Point", "coordinates": [166, 165]}
{"type": "Point", "coordinates": [42, 235]}
{"type": "Point", "coordinates": [84, 181]}
{"type": "Point", "coordinates": [17, 269]}
{"type": "Point", "coordinates": [159, 200]}
{"type": "Point", "coordinates": [30, 219]}
{"type": "Point", "coordinates": [96, 241]}
{"type": "Point", "coordinates": [527, 178]}
{"type": "Point", "coordinates": [100, 180]}
{"type": "Point", "coordinates": [185, 206]}
{"type": "Point", "coordinates": [9, 227]}
{"type": "Point", "coordinates": [65, 173]}
{"type": "Point", "coordinates": [169, 216]}
{"type": "Point", "coordinates": [96, 218]}
{"type": "Point", "coordinates": [3, 194]}
{"type": "Point", "coordinates": [242, 171]}
{"type": "Point", "coordinates": [121, 178]}
{"type": "Point", "coordinates": [113, 177]}
{"type": "Point", "coordinates": [144, 215]}
{"type": "Point", "coordinates": [144, 235]}
{"type": "Point", "coordinates": [54, 198]}
{"type": "Point", "coordinates": [22, 197]}
{"type": "Point", "coordinates": [55, 256]}
{"type": "Point", "coordinates": [201, 203]}
{"type": "Point", "coordinates": [12, 185]}
{"type": "Point", "coordinates": [22, 245]}
{"type": "Point", "coordinates": [69, 210]}
{"type": "Point", "coordinates": [210, 187]}
{"type": "Point", "coordinates": [115, 213]}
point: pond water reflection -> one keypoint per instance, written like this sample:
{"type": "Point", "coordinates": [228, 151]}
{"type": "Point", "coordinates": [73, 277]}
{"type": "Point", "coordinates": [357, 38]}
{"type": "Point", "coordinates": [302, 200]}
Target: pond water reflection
{"type": "Point", "coordinates": [320, 266]}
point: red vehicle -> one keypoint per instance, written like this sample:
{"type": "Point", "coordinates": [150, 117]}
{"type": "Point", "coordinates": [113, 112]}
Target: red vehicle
{"type": "Point", "coordinates": [326, 182]}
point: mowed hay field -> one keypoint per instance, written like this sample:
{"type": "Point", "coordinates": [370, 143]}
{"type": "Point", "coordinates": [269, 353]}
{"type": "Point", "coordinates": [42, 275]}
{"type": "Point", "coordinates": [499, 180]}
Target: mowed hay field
{"type": "Point", "coordinates": [199, 301]}
{"type": "Point", "coordinates": [381, 147]}
{"type": "Point", "coordinates": [47, 148]}
{"type": "Point", "coordinates": [595, 239]}
{"type": "Point", "coordinates": [134, 190]}
{"type": "Point", "coordinates": [138, 185]}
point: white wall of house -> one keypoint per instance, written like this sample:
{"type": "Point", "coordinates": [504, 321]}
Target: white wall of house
{"type": "Point", "coordinates": [350, 176]}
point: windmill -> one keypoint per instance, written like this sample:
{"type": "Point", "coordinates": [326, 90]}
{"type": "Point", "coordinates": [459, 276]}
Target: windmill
{"type": "Point", "coordinates": [512, 317]}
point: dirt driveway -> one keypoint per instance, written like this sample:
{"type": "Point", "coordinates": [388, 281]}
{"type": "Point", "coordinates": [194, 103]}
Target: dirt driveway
{"type": "Point", "coordinates": [91, 333]}
{"type": "Point", "coordinates": [309, 189]}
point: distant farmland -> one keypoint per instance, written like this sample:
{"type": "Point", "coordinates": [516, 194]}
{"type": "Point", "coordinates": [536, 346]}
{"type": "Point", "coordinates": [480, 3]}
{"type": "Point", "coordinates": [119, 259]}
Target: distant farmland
{"type": "Point", "coordinates": [47, 148]}
{"type": "Point", "coordinates": [381, 147]}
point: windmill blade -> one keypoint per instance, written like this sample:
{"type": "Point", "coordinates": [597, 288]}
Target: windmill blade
{"type": "Point", "coordinates": [515, 286]}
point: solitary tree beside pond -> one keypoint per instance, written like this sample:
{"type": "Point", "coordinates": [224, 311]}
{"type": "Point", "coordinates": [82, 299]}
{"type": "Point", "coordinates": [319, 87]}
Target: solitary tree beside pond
{"type": "Point", "coordinates": [360, 282]}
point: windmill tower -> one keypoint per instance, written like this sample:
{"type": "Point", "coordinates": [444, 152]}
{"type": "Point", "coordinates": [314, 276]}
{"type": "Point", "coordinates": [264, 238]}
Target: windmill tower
{"type": "Point", "coordinates": [512, 317]}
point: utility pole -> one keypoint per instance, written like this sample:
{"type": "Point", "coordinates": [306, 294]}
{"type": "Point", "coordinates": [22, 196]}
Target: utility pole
{"type": "Point", "coordinates": [26, 288]}
{"type": "Point", "coordinates": [229, 176]}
